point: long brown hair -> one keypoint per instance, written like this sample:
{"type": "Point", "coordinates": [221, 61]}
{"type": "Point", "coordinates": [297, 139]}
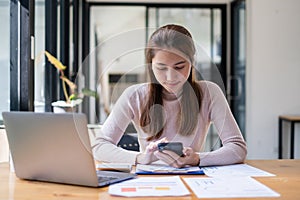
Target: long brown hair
{"type": "Point", "coordinates": [152, 118]}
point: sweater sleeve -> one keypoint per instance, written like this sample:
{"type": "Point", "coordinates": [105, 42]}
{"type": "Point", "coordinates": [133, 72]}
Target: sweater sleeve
{"type": "Point", "coordinates": [105, 147]}
{"type": "Point", "coordinates": [233, 148]}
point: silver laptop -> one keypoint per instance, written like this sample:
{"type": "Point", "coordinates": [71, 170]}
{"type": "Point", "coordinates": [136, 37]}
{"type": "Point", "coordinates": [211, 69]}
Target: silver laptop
{"type": "Point", "coordinates": [55, 148]}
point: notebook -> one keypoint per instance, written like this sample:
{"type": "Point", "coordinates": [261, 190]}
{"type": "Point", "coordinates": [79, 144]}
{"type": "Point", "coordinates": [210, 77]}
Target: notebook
{"type": "Point", "coordinates": [55, 148]}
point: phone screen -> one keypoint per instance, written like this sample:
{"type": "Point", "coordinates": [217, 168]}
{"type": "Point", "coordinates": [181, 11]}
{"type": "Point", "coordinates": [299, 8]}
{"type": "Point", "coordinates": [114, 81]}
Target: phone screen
{"type": "Point", "coordinates": [176, 147]}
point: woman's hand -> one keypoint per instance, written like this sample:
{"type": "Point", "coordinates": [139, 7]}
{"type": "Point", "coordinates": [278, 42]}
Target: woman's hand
{"type": "Point", "coordinates": [189, 158]}
{"type": "Point", "coordinates": [148, 156]}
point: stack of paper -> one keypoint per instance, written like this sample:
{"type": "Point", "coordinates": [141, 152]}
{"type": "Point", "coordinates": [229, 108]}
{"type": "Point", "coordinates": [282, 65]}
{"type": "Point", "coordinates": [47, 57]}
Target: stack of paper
{"type": "Point", "coordinates": [233, 187]}
{"type": "Point", "coordinates": [230, 181]}
{"type": "Point", "coordinates": [224, 181]}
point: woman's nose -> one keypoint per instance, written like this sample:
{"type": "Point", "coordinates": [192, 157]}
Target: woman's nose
{"type": "Point", "coordinates": [171, 74]}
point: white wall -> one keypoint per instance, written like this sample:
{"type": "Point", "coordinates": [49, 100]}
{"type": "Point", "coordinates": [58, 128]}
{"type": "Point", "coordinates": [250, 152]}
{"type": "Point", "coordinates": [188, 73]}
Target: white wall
{"type": "Point", "coordinates": [273, 73]}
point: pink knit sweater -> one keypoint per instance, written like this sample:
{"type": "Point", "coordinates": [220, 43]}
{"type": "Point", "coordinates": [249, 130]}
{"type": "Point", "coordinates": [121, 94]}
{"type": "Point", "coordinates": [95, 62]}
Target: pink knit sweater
{"type": "Point", "coordinates": [214, 110]}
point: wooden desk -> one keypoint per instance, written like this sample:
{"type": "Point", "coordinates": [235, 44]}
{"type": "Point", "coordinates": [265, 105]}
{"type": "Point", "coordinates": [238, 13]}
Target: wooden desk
{"type": "Point", "coordinates": [292, 119]}
{"type": "Point", "coordinates": [286, 183]}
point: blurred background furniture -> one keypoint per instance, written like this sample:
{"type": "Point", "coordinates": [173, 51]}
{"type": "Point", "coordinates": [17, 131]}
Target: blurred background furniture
{"type": "Point", "coordinates": [292, 119]}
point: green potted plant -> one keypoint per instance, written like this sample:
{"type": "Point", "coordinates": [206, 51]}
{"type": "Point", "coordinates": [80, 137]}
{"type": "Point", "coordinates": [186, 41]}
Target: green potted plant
{"type": "Point", "coordinates": [73, 98]}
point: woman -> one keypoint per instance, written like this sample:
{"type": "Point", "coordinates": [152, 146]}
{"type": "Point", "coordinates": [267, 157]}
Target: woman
{"type": "Point", "coordinates": [173, 107]}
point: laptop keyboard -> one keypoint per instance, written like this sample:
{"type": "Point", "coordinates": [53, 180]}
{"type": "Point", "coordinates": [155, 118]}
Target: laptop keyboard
{"type": "Point", "coordinates": [103, 178]}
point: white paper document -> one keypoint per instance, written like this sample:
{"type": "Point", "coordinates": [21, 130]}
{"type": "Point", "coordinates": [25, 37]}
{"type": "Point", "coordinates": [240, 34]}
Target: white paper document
{"type": "Point", "coordinates": [212, 187]}
{"type": "Point", "coordinates": [152, 186]}
{"type": "Point", "coordinates": [236, 170]}
{"type": "Point", "coordinates": [125, 167]}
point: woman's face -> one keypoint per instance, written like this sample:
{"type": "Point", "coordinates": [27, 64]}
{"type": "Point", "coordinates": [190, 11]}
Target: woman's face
{"type": "Point", "coordinates": [171, 69]}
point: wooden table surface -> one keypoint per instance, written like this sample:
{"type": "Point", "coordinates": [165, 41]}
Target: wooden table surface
{"type": "Point", "coordinates": [286, 183]}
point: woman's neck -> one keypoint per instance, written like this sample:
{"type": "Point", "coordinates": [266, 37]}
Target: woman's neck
{"type": "Point", "coordinates": [170, 96]}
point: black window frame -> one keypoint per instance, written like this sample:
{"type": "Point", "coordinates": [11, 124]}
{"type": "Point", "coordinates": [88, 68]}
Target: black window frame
{"type": "Point", "coordinates": [22, 55]}
{"type": "Point", "coordinates": [222, 6]}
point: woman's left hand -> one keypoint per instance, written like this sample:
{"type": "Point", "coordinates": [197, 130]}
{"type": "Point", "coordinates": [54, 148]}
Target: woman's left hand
{"type": "Point", "coordinates": [189, 158]}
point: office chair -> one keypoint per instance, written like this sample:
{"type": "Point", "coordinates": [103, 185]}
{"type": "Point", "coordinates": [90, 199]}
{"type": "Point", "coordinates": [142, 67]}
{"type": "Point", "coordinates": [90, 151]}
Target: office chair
{"type": "Point", "coordinates": [129, 142]}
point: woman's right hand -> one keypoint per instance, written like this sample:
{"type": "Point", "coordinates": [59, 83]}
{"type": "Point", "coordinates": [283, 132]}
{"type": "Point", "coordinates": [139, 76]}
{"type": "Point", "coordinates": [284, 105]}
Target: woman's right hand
{"type": "Point", "coordinates": [148, 156]}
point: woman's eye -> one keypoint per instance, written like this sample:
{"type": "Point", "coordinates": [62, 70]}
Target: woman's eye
{"type": "Point", "coordinates": [179, 67]}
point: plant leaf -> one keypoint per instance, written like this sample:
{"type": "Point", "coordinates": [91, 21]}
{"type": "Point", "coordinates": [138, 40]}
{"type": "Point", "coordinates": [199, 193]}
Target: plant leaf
{"type": "Point", "coordinates": [88, 92]}
{"type": "Point", "coordinates": [55, 62]}
{"type": "Point", "coordinates": [73, 97]}
{"type": "Point", "coordinates": [70, 83]}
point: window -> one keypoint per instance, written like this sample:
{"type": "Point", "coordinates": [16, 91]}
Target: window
{"type": "Point", "coordinates": [39, 76]}
{"type": "Point", "coordinates": [121, 33]}
{"type": "Point", "coordinates": [4, 56]}
{"type": "Point", "coordinates": [118, 36]}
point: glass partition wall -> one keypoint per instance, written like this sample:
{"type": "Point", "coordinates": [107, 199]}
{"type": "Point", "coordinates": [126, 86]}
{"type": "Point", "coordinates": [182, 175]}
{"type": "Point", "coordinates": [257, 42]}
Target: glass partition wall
{"type": "Point", "coordinates": [119, 42]}
{"type": "Point", "coordinates": [120, 33]}
{"type": "Point", "coordinates": [106, 44]}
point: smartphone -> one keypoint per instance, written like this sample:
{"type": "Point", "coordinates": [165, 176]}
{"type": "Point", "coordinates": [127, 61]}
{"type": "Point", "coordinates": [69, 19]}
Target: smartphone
{"type": "Point", "coordinates": [176, 147]}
